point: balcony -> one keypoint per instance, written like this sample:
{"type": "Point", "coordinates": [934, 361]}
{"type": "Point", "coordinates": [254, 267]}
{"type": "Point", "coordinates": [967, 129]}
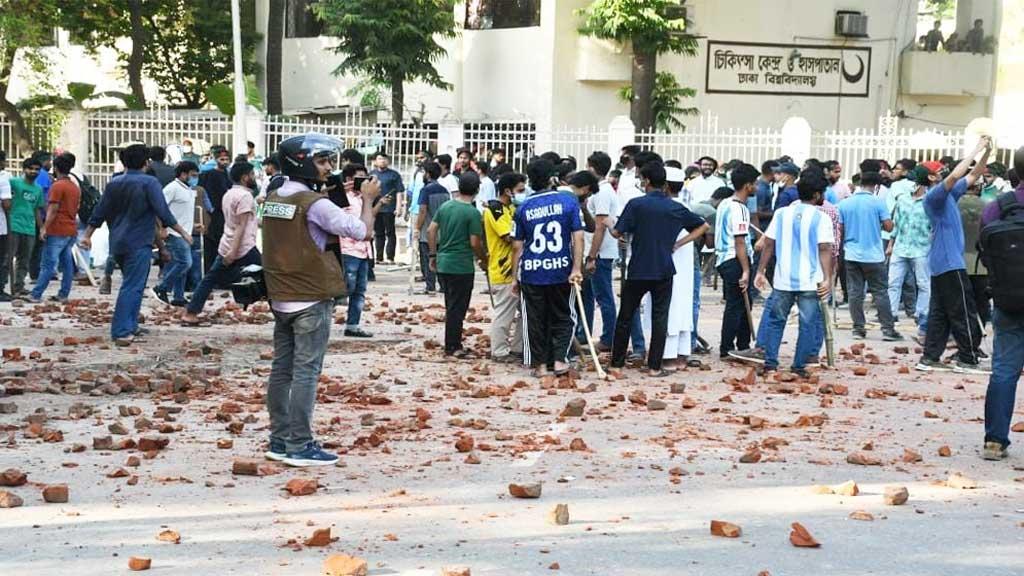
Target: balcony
{"type": "Point", "coordinates": [952, 74]}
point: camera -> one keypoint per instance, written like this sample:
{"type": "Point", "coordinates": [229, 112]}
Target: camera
{"type": "Point", "coordinates": [251, 287]}
{"type": "Point", "coordinates": [335, 188]}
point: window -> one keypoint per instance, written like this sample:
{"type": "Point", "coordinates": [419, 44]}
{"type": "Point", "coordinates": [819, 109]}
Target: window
{"type": "Point", "coordinates": [494, 14]}
{"type": "Point", "coordinates": [300, 22]}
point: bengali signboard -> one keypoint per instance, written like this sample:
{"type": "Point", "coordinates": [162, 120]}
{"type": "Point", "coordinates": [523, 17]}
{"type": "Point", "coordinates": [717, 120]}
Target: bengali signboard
{"type": "Point", "coordinates": [787, 69]}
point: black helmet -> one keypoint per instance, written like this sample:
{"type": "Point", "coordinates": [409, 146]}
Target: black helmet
{"type": "Point", "coordinates": [297, 153]}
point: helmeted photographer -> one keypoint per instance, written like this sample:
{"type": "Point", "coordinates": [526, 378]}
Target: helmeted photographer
{"type": "Point", "coordinates": [302, 282]}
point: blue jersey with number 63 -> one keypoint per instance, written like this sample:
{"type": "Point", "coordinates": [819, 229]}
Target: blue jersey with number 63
{"type": "Point", "coordinates": [544, 224]}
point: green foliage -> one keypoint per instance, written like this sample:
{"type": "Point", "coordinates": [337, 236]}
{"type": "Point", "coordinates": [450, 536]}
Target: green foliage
{"type": "Point", "coordinates": [188, 47]}
{"type": "Point", "coordinates": [389, 40]}
{"type": "Point", "coordinates": [668, 94]}
{"type": "Point", "coordinates": [653, 26]}
{"type": "Point", "coordinates": [369, 92]}
{"type": "Point", "coordinates": [222, 96]}
{"type": "Point", "coordinates": [941, 9]}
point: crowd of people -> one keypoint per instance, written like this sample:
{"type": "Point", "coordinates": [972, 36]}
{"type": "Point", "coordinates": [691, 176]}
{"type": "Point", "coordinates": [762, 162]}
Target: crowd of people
{"type": "Point", "coordinates": [925, 239]}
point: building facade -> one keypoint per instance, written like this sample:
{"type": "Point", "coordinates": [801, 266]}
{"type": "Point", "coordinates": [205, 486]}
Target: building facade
{"type": "Point", "coordinates": [759, 62]}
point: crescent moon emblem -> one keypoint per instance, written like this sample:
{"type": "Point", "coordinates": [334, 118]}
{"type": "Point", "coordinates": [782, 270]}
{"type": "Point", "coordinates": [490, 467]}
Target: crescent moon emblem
{"type": "Point", "coordinates": [854, 78]}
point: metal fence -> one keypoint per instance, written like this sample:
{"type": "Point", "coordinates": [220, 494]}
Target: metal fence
{"type": "Point", "coordinates": [106, 132]}
{"type": "Point", "coordinates": [43, 128]}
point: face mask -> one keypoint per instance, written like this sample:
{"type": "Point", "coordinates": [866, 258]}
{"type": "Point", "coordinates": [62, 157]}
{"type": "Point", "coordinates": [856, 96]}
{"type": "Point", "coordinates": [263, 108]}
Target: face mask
{"type": "Point", "coordinates": [193, 181]}
{"type": "Point", "coordinates": [519, 198]}
{"type": "Point", "coordinates": [186, 149]}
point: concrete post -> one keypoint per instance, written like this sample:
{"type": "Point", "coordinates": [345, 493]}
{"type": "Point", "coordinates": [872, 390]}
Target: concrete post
{"type": "Point", "coordinates": [74, 138]}
{"type": "Point", "coordinates": [621, 132]}
{"type": "Point", "coordinates": [254, 132]}
{"type": "Point", "coordinates": [796, 139]}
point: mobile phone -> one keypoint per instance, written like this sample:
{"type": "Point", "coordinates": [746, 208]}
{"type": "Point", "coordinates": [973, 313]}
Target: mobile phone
{"type": "Point", "coordinates": [358, 183]}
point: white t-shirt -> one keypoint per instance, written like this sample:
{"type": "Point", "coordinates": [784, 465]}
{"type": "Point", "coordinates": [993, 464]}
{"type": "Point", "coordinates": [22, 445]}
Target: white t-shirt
{"type": "Point", "coordinates": [732, 219]}
{"type": "Point", "coordinates": [181, 200]}
{"type": "Point", "coordinates": [629, 188]}
{"type": "Point", "coordinates": [604, 203]}
{"type": "Point", "coordinates": [5, 194]}
{"type": "Point", "coordinates": [488, 192]}
{"type": "Point", "coordinates": [450, 182]}
{"type": "Point", "coordinates": [797, 268]}
{"type": "Point", "coordinates": [701, 189]}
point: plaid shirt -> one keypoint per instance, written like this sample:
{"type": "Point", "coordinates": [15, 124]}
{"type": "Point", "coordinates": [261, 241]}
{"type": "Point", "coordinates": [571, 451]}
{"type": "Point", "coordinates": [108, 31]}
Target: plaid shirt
{"type": "Point", "coordinates": [833, 214]}
{"type": "Point", "coordinates": [912, 229]}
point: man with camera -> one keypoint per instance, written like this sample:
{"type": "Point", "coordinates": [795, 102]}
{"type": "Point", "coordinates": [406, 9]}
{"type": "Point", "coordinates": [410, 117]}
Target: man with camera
{"type": "Point", "coordinates": [302, 281]}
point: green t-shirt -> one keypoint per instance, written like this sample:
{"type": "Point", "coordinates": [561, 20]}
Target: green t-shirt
{"type": "Point", "coordinates": [25, 200]}
{"type": "Point", "coordinates": [456, 222]}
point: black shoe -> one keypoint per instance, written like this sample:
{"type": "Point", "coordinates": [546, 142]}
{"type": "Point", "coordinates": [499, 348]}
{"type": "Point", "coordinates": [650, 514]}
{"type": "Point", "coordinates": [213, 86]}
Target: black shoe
{"type": "Point", "coordinates": [801, 372]}
{"type": "Point", "coordinates": [160, 295]}
{"type": "Point", "coordinates": [179, 303]}
{"type": "Point", "coordinates": [860, 334]}
{"type": "Point", "coordinates": [357, 333]}
{"type": "Point", "coordinates": [893, 336]}
{"type": "Point", "coordinates": [141, 332]}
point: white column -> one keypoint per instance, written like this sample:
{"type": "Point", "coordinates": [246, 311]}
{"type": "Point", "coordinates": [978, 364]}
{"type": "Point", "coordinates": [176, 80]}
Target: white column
{"type": "Point", "coordinates": [74, 138]}
{"type": "Point", "coordinates": [239, 139]}
{"type": "Point", "coordinates": [450, 137]}
{"type": "Point", "coordinates": [796, 139]}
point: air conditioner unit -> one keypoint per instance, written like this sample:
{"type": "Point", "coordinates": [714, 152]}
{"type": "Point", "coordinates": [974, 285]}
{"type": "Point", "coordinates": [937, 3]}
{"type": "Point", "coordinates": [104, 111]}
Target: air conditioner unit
{"type": "Point", "coordinates": [852, 24]}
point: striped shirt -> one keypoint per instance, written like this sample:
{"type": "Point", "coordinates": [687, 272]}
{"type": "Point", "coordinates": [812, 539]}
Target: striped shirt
{"type": "Point", "coordinates": [797, 230]}
{"type": "Point", "coordinates": [731, 220]}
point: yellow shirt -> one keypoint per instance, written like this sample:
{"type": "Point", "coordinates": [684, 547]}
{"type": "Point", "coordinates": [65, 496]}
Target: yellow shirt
{"type": "Point", "coordinates": [498, 223]}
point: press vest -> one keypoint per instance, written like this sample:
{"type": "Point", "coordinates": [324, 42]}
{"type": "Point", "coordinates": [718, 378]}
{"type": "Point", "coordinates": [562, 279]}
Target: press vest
{"type": "Point", "coordinates": [295, 268]}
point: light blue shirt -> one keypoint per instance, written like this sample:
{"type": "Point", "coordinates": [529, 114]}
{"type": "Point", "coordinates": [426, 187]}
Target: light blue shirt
{"type": "Point", "coordinates": [862, 215]}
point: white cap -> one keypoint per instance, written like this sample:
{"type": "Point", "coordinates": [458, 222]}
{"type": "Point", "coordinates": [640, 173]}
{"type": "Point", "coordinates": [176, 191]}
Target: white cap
{"type": "Point", "coordinates": [674, 174]}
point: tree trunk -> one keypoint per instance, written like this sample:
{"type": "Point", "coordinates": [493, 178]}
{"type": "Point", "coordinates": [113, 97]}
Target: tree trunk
{"type": "Point", "coordinates": [641, 108]}
{"type": "Point", "coordinates": [397, 99]}
{"type": "Point", "coordinates": [19, 132]}
{"type": "Point", "coordinates": [275, 32]}
{"type": "Point", "coordinates": [135, 59]}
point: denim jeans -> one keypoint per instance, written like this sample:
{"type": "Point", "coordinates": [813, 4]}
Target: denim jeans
{"type": "Point", "coordinates": [429, 276]}
{"type": "Point", "coordinates": [356, 271]}
{"type": "Point", "coordinates": [135, 270]}
{"type": "Point", "coordinates": [874, 275]}
{"type": "Point", "coordinates": [176, 270]}
{"type": "Point", "coordinates": [1007, 363]}
{"type": "Point", "coordinates": [195, 272]}
{"type": "Point", "coordinates": [810, 314]}
{"type": "Point", "coordinates": [300, 341]}
{"type": "Point", "coordinates": [56, 252]}
{"type": "Point", "coordinates": [899, 267]}
{"type": "Point", "coordinates": [599, 288]}
{"type": "Point", "coordinates": [220, 274]}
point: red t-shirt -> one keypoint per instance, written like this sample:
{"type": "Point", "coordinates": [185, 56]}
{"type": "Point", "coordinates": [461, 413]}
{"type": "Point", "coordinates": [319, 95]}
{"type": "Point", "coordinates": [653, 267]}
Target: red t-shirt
{"type": "Point", "coordinates": [66, 195]}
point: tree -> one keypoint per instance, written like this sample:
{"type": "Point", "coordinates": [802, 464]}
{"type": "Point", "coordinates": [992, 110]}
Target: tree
{"type": "Point", "coordinates": [653, 27]}
{"type": "Point", "coordinates": [275, 34]}
{"type": "Point", "coordinates": [183, 45]}
{"type": "Point", "coordinates": [390, 42]}
{"type": "Point", "coordinates": [23, 24]}
{"type": "Point", "coordinates": [665, 102]}
{"type": "Point", "coordinates": [942, 9]}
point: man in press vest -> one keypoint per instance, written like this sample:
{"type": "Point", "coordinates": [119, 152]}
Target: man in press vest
{"type": "Point", "coordinates": [302, 283]}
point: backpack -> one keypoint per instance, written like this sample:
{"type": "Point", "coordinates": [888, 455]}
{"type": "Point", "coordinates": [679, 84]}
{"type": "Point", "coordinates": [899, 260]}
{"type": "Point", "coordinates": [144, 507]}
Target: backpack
{"type": "Point", "coordinates": [90, 197]}
{"type": "Point", "coordinates": [1002, 251]}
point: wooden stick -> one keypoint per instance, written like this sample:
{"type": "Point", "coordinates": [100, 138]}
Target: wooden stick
{"type": "Point", "coordinates": [586, 331]}
{"type": "Point", "coordinates": [85, 265]}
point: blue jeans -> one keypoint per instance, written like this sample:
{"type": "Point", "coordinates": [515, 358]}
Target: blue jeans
{"type": "Point", "coordinates": [300, 341]}
{"type": "Point", "coordinates": [356, 272]}
{"type": "Point", "coordinates": [135, 270]}
{"type": "Point", "coordinates": [195, 272]}
{"type": "Point", "coordinates": [176, 270]}
{"type": "Point", "coordinates": [56, 252]}
{"type": "Point", "coordinates": [1007, 363]}
{"type": "Point", "coordinates": [599, 287]}
{"type": "Point", "coordinates": [220, 275]}
{"type": "Point", "coordinates": [810, 315]}
{"type": "Point", "coordinates": [899, 267]}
